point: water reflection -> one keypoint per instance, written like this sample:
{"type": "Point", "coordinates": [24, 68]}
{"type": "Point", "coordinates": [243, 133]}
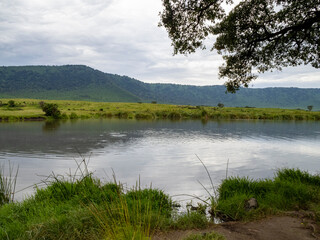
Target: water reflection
{"type": "Point", "coordinates": [161, 152]}
{"type": "Point", "coordinates": [51, 125]}
{"type": "Point", "coordinates": [89, 135]}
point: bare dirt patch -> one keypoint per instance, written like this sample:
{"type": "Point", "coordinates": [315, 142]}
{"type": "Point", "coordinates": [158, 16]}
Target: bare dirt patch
{"type": "Point", "coordinates": [290, 227]}
{"type": "Point", "coordinates": [280, 228]}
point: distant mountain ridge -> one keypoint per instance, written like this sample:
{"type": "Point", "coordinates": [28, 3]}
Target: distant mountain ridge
{"type": "Point", "coordinates": [79, 82]}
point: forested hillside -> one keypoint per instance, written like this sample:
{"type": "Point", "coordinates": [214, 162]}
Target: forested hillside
{"type": "Point", "coordinates": [77, 82]}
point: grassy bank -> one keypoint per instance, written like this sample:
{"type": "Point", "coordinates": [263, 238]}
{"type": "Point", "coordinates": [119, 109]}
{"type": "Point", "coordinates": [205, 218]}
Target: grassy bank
{"type": "Point", "coordinates": [85, 208]}
{"type": "Point", "coordinates": [290, 190]}
{"type": "Point", "coordinates": [80, 206]}
{"type": "Point", "coordinates": [29, 109]}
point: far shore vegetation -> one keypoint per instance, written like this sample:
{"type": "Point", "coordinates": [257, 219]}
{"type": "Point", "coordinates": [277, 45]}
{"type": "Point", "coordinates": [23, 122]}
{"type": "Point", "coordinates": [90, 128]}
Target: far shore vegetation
{"type": "Point", "coordinates": [34, 109]}
{"type": "Point", "coordinates": [80, 206]}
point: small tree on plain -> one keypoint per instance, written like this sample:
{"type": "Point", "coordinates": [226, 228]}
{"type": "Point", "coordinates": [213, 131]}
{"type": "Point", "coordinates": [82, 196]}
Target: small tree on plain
{"type": "Point", "coordinates": [310, 107]}
{"type": "Point", "coordinates": [51, 110]}
{"type": "Point", "coordinates": [220, 105]}
{"type": "Point", "coordinates": [11, 103]}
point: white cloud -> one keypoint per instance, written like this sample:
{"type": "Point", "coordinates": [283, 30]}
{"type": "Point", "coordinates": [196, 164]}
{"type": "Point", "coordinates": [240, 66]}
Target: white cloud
{"type": "Point", "coordinates": [119, 37]}
{"type": "Point", "coordinates": [302, 76]}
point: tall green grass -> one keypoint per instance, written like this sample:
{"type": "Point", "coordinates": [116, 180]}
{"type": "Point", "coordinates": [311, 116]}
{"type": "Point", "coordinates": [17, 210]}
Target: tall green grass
{"type": "Point", "coordinates": [205, 236]}
{"type": "Point", "coordinates": [134, 215]}
{"type": "Point", "coordinates": [79, 206]}
{"type": "Point", "coordinates": [291, 189]}
{"type": "Point", "coordinates": [8, 180]}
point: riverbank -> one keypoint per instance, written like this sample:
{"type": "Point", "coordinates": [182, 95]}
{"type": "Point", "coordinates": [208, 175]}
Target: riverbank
{"type": "Point", "coordinates": [83, 207]}
{"type": "Point", "coordinates": [29, 109]}
{"type": "Point", "coordinates": [283, 227]}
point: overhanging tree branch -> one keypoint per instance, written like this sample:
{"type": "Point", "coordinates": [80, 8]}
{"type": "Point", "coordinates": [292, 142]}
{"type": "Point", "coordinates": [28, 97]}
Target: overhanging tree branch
{"type": "Point", "coordinates": [256, 34]}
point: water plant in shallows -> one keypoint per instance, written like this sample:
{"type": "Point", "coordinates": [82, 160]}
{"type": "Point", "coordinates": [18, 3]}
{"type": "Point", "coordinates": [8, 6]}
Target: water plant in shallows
{"type": "Point", "coordinates": [8, 180]}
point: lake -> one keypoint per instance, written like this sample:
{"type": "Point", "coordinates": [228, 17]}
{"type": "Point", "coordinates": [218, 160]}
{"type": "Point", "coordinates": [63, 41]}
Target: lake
{"type": "Point", "coordinates": [161, 153]}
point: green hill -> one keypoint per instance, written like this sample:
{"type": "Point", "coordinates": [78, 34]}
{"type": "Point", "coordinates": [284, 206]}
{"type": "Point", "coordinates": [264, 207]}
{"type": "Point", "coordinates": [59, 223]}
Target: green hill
{"type": "Point", "coordinates": [78, 82]}
{"type": "Point", "coordinates": [61, 82]}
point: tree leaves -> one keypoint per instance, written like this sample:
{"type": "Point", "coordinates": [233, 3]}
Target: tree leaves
{"type": "Point", "coordinates": [256, 36]}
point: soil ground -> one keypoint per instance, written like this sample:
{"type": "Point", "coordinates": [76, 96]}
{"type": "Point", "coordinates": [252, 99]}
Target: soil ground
{"type": "Point", "coordinates": [292, 226]}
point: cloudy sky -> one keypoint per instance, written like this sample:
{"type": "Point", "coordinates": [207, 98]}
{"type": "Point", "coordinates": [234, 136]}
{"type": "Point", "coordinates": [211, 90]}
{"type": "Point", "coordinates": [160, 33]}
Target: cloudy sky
{"type": "Point", "coordinates": [114, 36]}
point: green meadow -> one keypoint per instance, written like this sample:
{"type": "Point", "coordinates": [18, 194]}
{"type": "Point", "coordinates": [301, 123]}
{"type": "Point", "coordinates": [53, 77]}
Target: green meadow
{"type": "Point", "coordinates": [29, 109]}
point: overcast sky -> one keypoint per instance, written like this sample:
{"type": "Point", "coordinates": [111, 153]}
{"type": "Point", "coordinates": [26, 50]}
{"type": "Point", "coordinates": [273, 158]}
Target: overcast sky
{"type": "Point", "coordinates": [114, 36]}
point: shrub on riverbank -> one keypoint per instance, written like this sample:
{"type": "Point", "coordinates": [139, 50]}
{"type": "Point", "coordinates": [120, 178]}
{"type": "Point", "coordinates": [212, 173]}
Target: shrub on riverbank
{"type": "Point", "coordinates": [51, 110]}
{"type": "Point", "coordinates": [291, 189]}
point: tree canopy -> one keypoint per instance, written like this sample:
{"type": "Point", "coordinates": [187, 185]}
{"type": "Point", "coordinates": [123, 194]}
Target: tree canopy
{"type": "Point", "coordinates": [254, 37]}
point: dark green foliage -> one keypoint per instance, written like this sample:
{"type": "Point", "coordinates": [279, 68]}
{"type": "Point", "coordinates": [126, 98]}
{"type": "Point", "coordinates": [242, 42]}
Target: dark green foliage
{"type": "Point", "coordinates": [11, 103]}
{"type": "Point", "coordinates": [70, 223]}
{"type": "Point", "coordinates": [157, 199]}
{"type": "Point", "coordinates": [290, 189]}
{"type": "Point", "coordinates": [122, 115]}
{"type": "Point", "coordinates": [70, 82]}
{"type": "Point", "coordinates": [63, 116]}
{"type": "Point", "coordinates": [86, 190]}
{"type": "Point", "coordinates": [83, 208]}
{"type": "Point", "coordinates": [51, 110]}
{"type": "Point", "coordinates": [8, 181]}
{"type": "Point", "coordinates": [190, 220]}
{"type": "Point", "coordinates": [84, 83]}
{"type": "Point", "coordinates": [174, 115]}
{"type": "Point", "coordinates": [41, 104]}
{"type": "Point", "coordinates": [144, 116]}
{"type": "Point", "coordinates": [310, 107]}
{"type": "Point", "coordinates": [138, 209]}
{"type": "Point", "coordinates": [56, 212]}
{"type": "Point", "coordinates": [255, 35]}
{"type": "Point", "coordinates": [204, 113]}
{"type": "Point", "coordinates": [298, 117]}
{"type": "Point", "coordinates": [220, 105]}
{"type": "Point", "coordinates": [233, 186]}
{"type": "Point", "coordinates": [73, 116]}
{"type": "Point", "coordinates": [205, 236]}
{"type": "Point", "coordinates": [296, 175]}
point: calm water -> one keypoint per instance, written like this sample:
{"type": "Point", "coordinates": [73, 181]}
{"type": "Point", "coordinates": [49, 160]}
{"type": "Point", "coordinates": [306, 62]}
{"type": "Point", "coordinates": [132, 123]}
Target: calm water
{"type": "Point", "coordinates": [160, 152]}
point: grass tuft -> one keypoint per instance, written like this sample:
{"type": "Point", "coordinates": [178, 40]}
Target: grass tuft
{"type": "Point", "coordinates": [205, 236]}
{"type": "Point", "coordinates": [7, 183]}
{"type": "Point", "coordinates": [291, 189]}
{"type": "Point", "coordinates": [190, 220]}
